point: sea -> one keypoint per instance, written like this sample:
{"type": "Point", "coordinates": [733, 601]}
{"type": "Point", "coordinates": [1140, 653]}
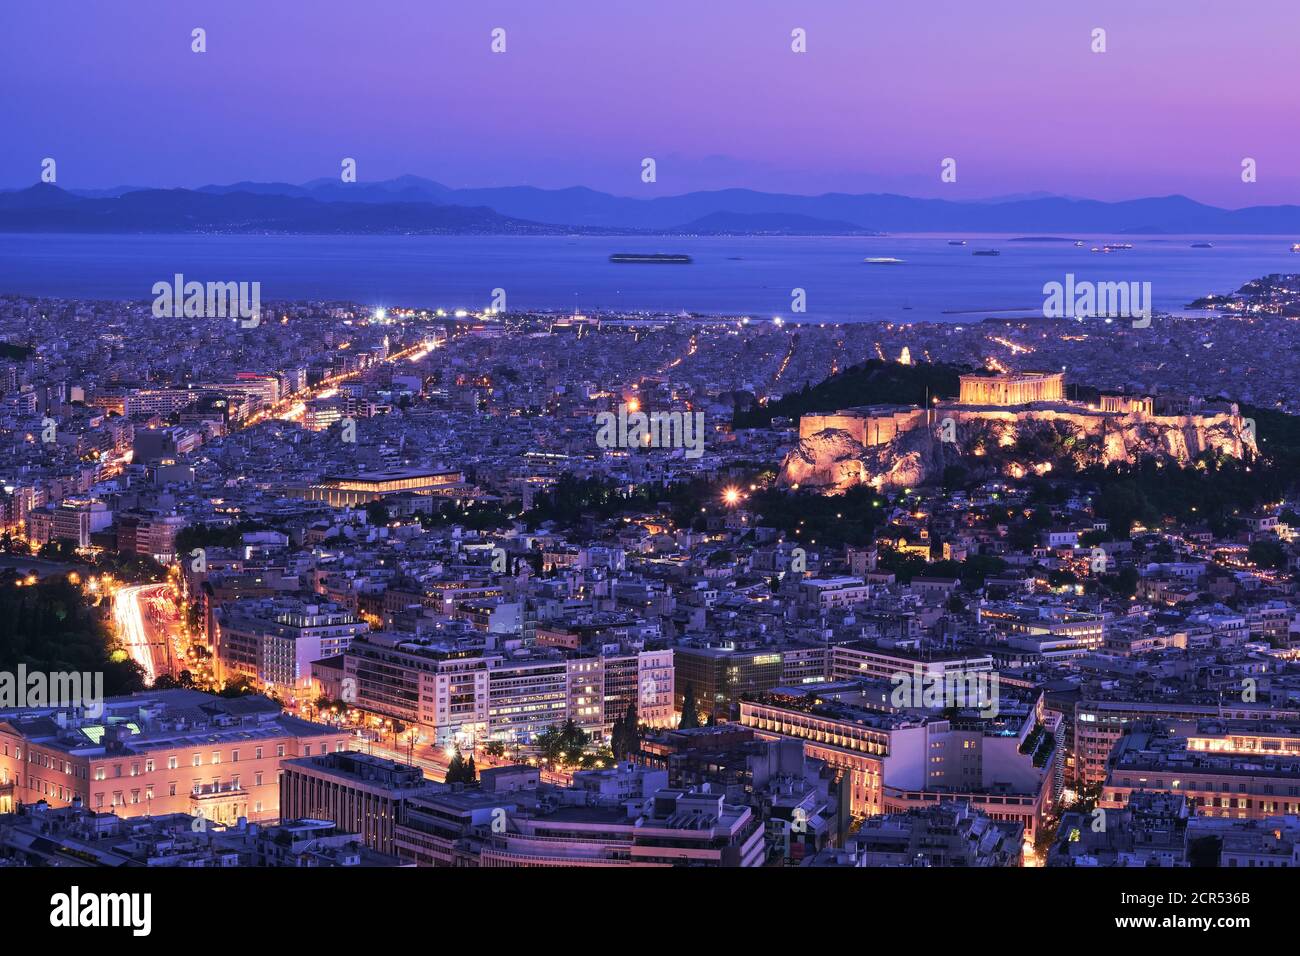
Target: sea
{"type": "Point", "coordinates": [757, 277]}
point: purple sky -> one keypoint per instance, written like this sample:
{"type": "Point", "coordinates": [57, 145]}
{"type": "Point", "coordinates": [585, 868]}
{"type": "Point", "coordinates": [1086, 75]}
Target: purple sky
{"type": "Point", "coordinates": [710, 88]}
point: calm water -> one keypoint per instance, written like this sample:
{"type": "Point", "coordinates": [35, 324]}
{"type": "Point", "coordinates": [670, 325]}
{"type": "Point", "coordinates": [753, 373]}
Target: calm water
{"type": "Point", "coordinates": [735, 276]}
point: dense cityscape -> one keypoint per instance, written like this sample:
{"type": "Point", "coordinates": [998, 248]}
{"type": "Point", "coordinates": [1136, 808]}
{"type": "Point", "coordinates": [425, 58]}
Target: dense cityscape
{"type": "Point", "coordinates": [376, 587]}
{"type": "Point", "coordinates": [496, 466]}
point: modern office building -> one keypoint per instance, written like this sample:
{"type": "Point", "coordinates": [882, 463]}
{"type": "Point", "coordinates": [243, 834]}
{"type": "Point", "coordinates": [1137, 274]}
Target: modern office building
{"type": "Point", "coordinates": [273, 641]}
{"type": "Point", "coordinates": [668, 828]}
{"type": "Point", "coordinates": [1100, 723]}
{"type": "Point", "coordinates": [899, 759]}
{"type": "Point", "coordinates": [1226, 769]}
{"type": "Point", "coordinates": [360, 793]}
{"type": "Point", "coordinates": [352, 490]}
{"type": "Point", "coordinates": [459, 692]}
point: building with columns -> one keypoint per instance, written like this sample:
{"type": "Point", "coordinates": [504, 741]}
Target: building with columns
{"type": "Point", "coordinates": [1017, 388]}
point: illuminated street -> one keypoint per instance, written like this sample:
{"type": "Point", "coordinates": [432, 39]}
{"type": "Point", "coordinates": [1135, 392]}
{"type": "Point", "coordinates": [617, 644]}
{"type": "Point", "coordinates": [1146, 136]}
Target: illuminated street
{"type": "Point", "coordinates": [143, 618]}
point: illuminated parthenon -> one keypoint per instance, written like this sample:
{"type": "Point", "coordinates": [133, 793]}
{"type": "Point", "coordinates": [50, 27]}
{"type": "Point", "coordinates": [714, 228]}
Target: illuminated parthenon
{"type": "Point", "coordinates": [1018, 388]}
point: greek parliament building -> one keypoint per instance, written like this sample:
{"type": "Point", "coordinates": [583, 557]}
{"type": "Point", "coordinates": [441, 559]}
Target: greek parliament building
{"type": "Point", "coordinates": [1017, 388]}
{"type": "Point", "coordinates": [344, 491]}
{"type": "Point", "coordinates": [158, 752]}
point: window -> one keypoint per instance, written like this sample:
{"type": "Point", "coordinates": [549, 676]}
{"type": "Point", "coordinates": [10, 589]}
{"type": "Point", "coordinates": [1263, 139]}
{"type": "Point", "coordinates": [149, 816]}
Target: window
{"type": "Point", "coordinates": [172, 763]}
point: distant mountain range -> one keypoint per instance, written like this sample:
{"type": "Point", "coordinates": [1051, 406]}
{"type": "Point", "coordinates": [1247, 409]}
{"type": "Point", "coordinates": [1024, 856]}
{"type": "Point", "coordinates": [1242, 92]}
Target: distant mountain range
{"type": "Point", "coordinates": [411, 204]}
{"type": "Point", "coordinates": [46, 208]}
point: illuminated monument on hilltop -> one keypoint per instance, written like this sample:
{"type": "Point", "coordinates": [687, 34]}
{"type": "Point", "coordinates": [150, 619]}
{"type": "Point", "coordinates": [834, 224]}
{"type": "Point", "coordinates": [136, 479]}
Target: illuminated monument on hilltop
{"type": "Point", "coordinates": [902, 445]}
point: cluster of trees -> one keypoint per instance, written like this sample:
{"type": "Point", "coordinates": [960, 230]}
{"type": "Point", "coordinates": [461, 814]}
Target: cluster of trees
{"type": "Point", "coordinates": [1214, 489]}
{"type": "Point", "coordinates": [690, 709]}
{"type": "Point", "coordinates": [461, 770]}
{"type": "Point", "coordinates": [626, 734]}
{"type": "Point", "coordinates": [48, 626]}
{"type": "Point", "coordinates": [57, 551]}
{"type": "Point", "coordinates": [474, 517]}
{"type": "Point", "coordinates": [872, 382]}
{"type": "Point", "coordinates": [563, 743]}
{"type": "Point", "coordinates": [973, 571]}
{"type": "Point", "coordinates": [238, 686]}
{"type": "Point", "coordinates": [573, 499]}
{"type": "Point", "coordinates": [852, 518]}
{"type": "Point", "coordinates": [1267, 553]}
{"type": "Point", "coordinates": [213, 536]}
{"type": "Point", "coordinates": [167, 682]}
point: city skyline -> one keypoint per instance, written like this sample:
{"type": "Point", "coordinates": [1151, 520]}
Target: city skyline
{"type": "Point", "coordinates": [611, 439]}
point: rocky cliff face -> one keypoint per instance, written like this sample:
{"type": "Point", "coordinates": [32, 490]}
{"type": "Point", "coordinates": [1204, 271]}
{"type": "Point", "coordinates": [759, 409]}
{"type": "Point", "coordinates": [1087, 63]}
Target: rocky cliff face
{"type": "Point", "coordinates": [1010, 444]}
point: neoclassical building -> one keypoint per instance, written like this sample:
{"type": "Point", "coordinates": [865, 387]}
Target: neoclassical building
{"type": "Point", "coordinates": [1018, 388]}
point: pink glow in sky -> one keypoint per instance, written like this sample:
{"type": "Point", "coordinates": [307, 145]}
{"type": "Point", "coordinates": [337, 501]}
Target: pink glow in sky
{"type": "Point", "coordinates": [710, 88]}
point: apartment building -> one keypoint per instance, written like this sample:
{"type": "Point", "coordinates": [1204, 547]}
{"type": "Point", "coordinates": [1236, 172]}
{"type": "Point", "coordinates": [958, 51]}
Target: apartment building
{"type": "Point", "coordinates": [1226, 769]}
{"type": "Point", "coordinates": [273, 641]}
{"type": "Point", "coordinates": [460, 692]}
{"type": "Point", "coordinates": [899, 759]}
{"type": "Point", "coordinates": [360, 793]}
{"type": "Point", "coordinates": [669, 828]}
{"type": "Point", "coordinates": [1099, 723]}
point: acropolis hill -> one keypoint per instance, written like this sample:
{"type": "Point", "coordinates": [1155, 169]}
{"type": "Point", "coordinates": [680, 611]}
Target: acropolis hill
{"type": "Point", "coordinates": [1010, 425]}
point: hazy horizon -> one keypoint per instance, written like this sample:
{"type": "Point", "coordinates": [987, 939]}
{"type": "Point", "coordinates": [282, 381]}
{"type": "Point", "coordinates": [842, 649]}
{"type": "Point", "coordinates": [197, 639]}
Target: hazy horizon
{"type": "Point", "coordinates": [1009, 88]}
{"type": "Point", "coordinates": [1002, 198]}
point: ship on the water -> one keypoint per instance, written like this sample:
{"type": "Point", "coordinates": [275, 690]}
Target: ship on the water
{"type": "Point", "coordinates": [987, 252]}
{"type": "Point", "coordinates": [883, 261]}
{"type": "Point", "coordinates": [650, 257]}
{"type": "Point", "coordinates": [956, 242]}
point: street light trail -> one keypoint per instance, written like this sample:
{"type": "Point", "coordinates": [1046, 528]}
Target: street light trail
{"type": "Point", "coordinates": [131, 627]}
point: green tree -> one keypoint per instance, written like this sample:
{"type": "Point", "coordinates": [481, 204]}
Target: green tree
{"type": "Point", "coordinates": [457, 768]}
{"type": "Point", "coordinates": [626, 736]}
{"type": "Point", "coordinates": [690, 709]}
{"type": "Point", "coordinates": [377, 513]}
{"type": "Point", "coordinates": [1267, 554]}
{"type": "Point", "coordinates": [550, 743]}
